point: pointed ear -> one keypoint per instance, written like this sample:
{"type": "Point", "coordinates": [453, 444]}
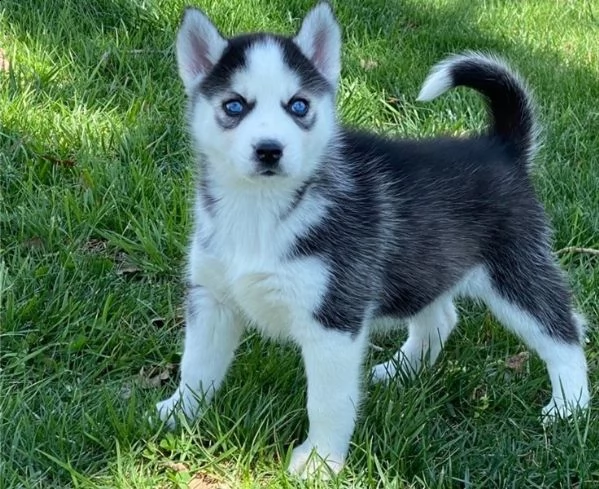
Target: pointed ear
{"type": "Point", "coordinates": [319, 39]}
{"type": "Point", "coordinates": [199, 46]}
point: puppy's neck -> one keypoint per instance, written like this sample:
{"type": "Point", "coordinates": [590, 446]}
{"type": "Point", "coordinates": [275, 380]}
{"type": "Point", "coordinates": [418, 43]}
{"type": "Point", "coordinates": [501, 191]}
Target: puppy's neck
{"type": "Point", "coordinates": [273, 196]}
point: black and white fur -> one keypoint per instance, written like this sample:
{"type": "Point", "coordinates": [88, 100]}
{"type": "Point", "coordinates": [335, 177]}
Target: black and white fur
{"type": "Point", "coordinates": [341, 227]}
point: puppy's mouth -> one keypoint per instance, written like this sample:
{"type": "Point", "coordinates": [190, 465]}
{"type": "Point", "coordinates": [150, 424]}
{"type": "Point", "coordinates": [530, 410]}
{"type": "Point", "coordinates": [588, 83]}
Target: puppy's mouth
{"type": "Point", "coordinates": [270, 172]}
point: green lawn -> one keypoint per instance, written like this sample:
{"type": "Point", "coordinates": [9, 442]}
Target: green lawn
{"type": "Point", "coordinates": [95, 182]}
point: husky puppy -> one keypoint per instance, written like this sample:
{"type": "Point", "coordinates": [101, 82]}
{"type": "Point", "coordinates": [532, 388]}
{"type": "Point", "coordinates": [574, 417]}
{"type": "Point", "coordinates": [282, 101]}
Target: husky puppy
{"type": "Point", "coordinates": [306, 230]}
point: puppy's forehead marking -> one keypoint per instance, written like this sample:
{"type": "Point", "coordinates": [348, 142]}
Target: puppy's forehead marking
{"type": "Point", "coordinates": [282, 51]}
{"type": "Point", "coordinates": [265, 73]}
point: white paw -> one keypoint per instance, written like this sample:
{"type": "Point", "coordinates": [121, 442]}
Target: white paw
{"type": "Point", "coordinates": [383, 372]}
{"type": "Point", "coordinates": [178, 403]}
{"type": "Point", "coordinates": [307, 461]}
{"type": "Point", "coordinates": [558, 408]}
{"type": "Point", "coordinates": [397, 369]}
{"type": "Point", "coordinates": [166, 411]}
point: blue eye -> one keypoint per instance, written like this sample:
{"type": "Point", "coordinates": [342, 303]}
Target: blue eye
{"type": "Point", "coordinates": [298, 107]}
{"type": "Point", "coordinates": [234, 108]}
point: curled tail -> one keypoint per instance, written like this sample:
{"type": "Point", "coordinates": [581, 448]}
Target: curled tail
{"type": "Point", "coordinates": [510, 105]}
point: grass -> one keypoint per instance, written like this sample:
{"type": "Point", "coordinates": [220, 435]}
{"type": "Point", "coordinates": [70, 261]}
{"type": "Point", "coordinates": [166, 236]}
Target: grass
{"type": "Point", "coordinates": [95, 186]}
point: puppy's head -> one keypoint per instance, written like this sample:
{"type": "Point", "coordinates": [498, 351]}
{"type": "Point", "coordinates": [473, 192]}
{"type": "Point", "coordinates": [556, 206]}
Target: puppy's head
{"type": "Point", "coordinates": [262, 107]}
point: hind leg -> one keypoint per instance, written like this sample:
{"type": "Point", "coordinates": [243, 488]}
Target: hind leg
{"type": "Point", "coordinates": [427, 332]}
{"type": "Point", "coordinates": [534, 303]}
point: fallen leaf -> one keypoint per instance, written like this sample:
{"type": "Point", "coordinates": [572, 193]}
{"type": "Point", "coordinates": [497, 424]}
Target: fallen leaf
{"type": "Point", "coordinates": [125, 392]}
{"type": "Point", "coordinates": [95, 246]}
{"type": "Point", "coordinates": [34, 243]}
{"type": "Point", "coordinates": [517, 362]}
{"type": "Point", "coordinates": [177, 466]}
{"type": "Point", "coordinates": [204, 481]}
{"type": "Point", "coordinates": [66, 162]}
{"type": "Point", "coordinates": [128, 269]}
{"type": "Point", "coordinates": [124, 265]}
{"type": "Point", "coordinates": [368, 64]}
{"type": "Point", "coordinates": [4, 63]}
{"type": "Point", "coordinates": [153, 377]}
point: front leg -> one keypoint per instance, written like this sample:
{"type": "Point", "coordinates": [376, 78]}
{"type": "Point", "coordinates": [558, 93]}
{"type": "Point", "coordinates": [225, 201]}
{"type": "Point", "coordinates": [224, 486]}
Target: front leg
{"type": "Point", "coordinates": [212, 334]}
{"type": "Point", "coordinates": [333, 362]}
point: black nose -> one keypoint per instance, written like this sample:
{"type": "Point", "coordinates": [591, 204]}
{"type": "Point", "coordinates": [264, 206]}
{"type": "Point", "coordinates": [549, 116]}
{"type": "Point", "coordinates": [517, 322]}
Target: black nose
{"type": "Point", "coordinates": [269, 153]}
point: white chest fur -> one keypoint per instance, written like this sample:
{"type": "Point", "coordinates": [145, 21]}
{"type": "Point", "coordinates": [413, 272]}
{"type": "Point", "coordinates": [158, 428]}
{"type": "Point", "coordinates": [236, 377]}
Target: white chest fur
{"type": "Point", "coordinates": [240, 252]}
